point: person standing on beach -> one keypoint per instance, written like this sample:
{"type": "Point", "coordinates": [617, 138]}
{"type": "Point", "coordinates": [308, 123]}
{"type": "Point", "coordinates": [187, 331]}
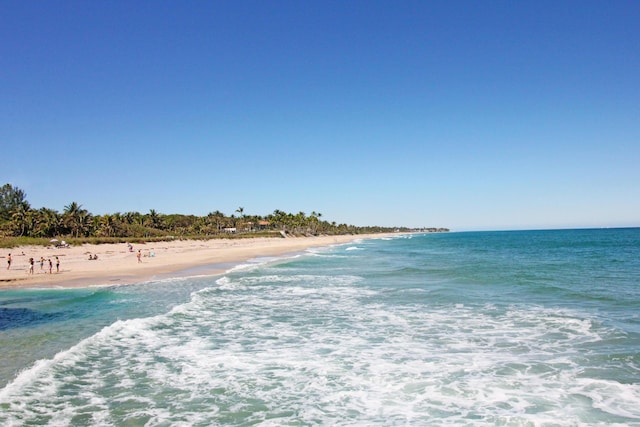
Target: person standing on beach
{"type": "Point", "coordinates": [30, 265]}
{"type": "Point", "coordinates": [9, 262]}
{"type": "Point", "coordinates": [41, 263]}
{"type": "Point", "coordinates": [50, 266]}
{"type": "Point", "coordinates": [57, 265]}
{"type": "Point", "coordinates": [139, 256]}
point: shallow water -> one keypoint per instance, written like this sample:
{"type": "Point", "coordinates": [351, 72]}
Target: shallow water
{"type": "Point", "coordinates": [500, 328]}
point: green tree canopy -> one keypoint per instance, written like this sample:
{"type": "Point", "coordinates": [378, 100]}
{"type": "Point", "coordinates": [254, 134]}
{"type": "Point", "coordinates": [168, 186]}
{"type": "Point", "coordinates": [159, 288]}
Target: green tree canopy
{"type": "Point", "coordinates": [11, 199]}
{"type": "Point", "coordinates": [17, 219]}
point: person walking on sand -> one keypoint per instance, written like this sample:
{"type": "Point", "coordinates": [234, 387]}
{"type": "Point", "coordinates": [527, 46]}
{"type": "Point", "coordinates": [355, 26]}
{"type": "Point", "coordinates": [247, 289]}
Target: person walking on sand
{"type": "Point", "coordinates": [57, 265]}
{"type": "Point", "coordinates": [9, 262]}
{"type": "Point", "coordinates": [30, 265]}
{"type": "Point", "coordinates": [41, 263]}
{"type": "Point", "coordinates": [50, 266]}
{"type": "Point", "coordinates": [139, 256]}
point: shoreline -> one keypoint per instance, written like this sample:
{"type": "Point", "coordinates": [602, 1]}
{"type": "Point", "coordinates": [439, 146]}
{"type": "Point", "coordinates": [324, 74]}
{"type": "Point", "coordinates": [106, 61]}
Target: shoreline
{"type": "Point", "coordinates": [117, 264]}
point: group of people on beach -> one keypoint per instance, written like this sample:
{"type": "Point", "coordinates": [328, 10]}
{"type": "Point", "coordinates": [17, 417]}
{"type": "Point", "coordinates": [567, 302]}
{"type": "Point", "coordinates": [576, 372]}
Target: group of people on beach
{"type": "Point", "coordinates": [32, 262]}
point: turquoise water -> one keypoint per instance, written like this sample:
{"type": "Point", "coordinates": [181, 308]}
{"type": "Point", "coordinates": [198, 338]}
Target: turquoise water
{"type": "Point", "coordinates": [490, 328]}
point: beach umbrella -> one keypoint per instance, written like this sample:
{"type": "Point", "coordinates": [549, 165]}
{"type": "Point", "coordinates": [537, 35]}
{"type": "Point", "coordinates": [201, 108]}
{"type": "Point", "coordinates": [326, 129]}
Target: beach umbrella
{"type": "Point", "coordinates": [53, 240]}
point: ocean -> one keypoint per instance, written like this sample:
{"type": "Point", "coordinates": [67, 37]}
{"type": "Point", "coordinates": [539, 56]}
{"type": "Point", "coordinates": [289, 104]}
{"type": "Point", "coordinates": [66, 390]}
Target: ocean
{"type": "Point", "coordinates": [513, 328]}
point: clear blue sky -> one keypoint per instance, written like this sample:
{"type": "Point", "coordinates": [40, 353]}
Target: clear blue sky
{"type": "Point", "coordinates": [461, 114]}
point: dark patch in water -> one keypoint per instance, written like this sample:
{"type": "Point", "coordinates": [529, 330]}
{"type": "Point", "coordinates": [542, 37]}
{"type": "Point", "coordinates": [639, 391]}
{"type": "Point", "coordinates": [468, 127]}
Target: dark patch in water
{"type": "Point", "coordinates": [21, 317]}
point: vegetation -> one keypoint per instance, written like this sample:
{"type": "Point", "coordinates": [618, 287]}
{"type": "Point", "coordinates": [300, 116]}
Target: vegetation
{"type": "Point", "coordinates": [20, 224]}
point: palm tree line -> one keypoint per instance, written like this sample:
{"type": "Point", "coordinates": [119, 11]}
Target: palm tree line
{"type": "Point", "coordinates": [18, 219]}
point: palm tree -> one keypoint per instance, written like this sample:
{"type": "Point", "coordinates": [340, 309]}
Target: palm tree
{"type": "Point", "coordinates": [86, 220]}
{"type": "Point", "coordinates": [218, 218]}
{"type": "Point", "coordinates": [154, 220]}
{"type": "Point", "coordinates": [21, 219]}
{"type": "Point", "coordinates": [240, 210]}
{"type": "Point", "coordinates": [300, 221]}
{"type": "Point", "coordinates": [277, 218]}
{"type": "Point", "coordinates": [132, 218]}
{"type": "Point", "coordinates": [314, 219]}
{"type": "Point", "coordinates": [49, 222]}
{"type": "Point", "coordinates": [76, 219]}
{"type": "Point", "coordinates": [41, 227]}
{"type": "Point", "coordinates": [107, 225]}
{"type": "Point", "coordinates": [319, 223]}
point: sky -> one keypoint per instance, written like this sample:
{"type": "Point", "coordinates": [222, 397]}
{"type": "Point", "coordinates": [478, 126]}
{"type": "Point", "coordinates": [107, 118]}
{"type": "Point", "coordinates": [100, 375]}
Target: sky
{"type": "Point", "coordinates": [471, 115]}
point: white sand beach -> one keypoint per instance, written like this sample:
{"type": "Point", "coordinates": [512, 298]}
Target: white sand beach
{"type": "Point", "coordinates": [117, 264]}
